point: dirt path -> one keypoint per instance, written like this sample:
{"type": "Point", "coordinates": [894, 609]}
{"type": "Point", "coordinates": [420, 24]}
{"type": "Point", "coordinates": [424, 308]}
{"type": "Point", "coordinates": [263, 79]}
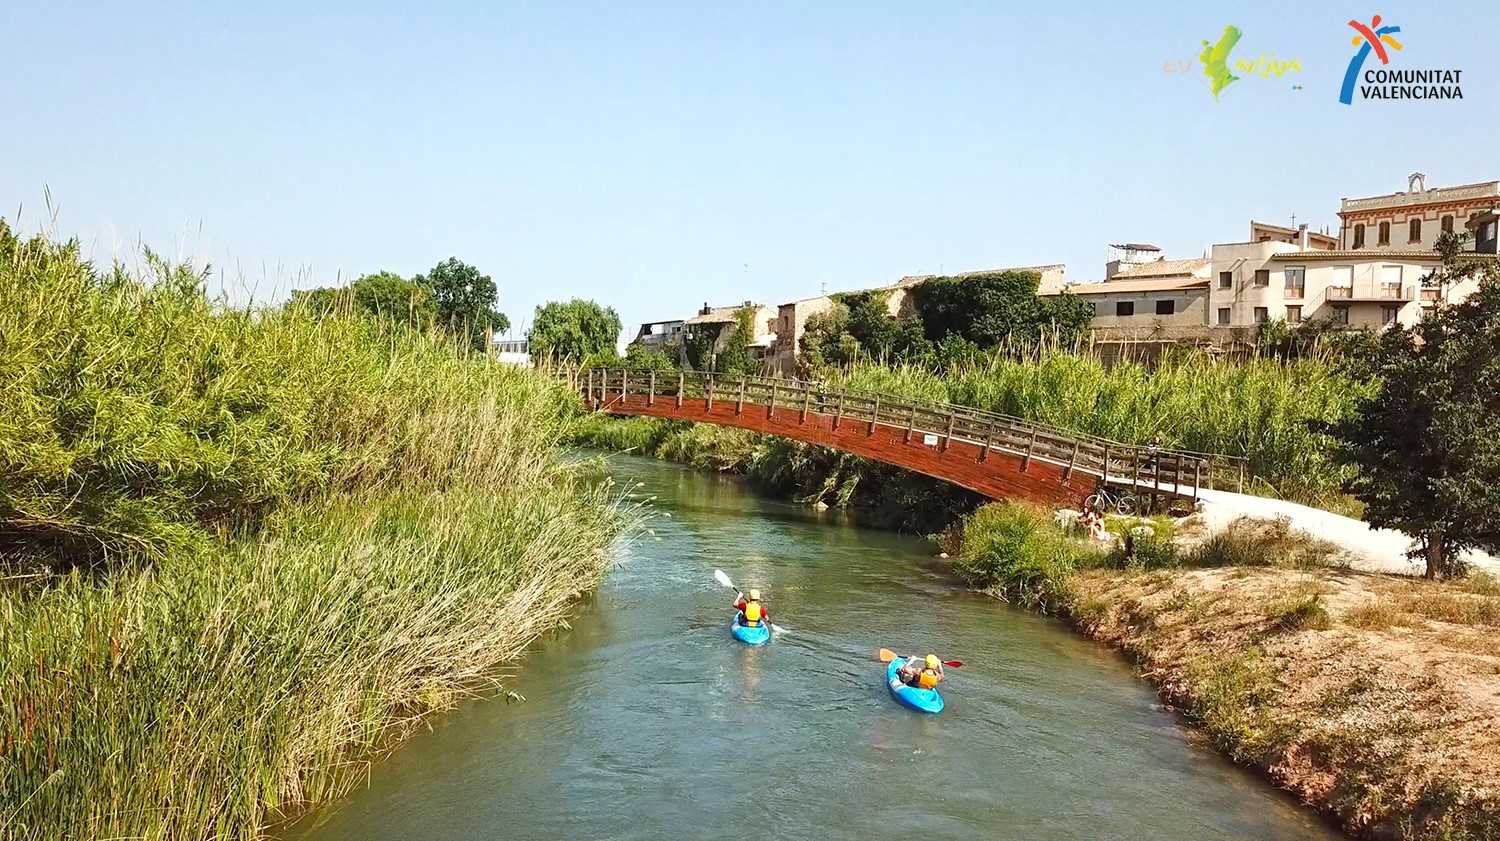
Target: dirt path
{"type": "Point", "coordinates": [1368, 549]}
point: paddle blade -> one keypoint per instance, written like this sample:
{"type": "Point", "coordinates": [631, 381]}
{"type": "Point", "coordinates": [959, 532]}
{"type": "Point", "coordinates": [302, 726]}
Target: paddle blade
{"type": "Point", "coordinates": [953, 664]}
{"type": "Point", "coordinates": [886, 655]}
{"type": "Point", "coordinates": [777, 629]}
{"type": "Point", "coordinates": [723, 579]}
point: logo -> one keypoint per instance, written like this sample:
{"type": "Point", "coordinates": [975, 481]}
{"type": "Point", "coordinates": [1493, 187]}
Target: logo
{"type": "Point", "coordinates": [1215, 60]}
{"type": "Point", "coordinates": [1218, 66]}
{"type": "Point", "coordinates": [1391, 84]}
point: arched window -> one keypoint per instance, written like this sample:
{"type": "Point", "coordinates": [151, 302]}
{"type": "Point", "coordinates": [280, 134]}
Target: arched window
{"type": "Point", "coordinates": [1359, 236]}
{"type": "Point", "coordinates": [1385, 233]}
{"type": "Point", "coordinates": [1416, 231]}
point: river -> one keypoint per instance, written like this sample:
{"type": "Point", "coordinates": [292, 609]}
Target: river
{"type": "Point", "coordinates": [647, 721]}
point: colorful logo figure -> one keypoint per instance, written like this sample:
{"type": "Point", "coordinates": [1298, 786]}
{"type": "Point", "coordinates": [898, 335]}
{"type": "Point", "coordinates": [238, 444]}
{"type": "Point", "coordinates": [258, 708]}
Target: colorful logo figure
{"type": "Point", "coordinates": [1215, 58]}
{"type": "Point", "coordinates": [1373, 37]}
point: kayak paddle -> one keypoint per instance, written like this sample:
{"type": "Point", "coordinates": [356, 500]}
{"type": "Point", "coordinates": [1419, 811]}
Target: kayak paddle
{"type": "Point", "coordinates": [886, 655]}
{"type": "Point", "coordinates": [723, 578]}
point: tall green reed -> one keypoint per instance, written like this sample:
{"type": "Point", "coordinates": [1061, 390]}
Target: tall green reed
{"type": "Point", "coordinates": [243, 551]}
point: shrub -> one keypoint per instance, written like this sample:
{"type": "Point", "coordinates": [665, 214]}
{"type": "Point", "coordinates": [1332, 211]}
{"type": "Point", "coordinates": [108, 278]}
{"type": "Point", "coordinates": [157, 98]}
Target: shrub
{"type": "Point", "coordinates": [1301, 610]}
{"type": "Point", "coordinates": [1252, 542]}
{"type": "Point", "coordinates": [1020, 553]}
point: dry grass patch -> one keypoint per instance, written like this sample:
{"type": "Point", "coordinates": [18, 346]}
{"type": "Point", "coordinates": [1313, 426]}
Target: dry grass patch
{"type": "Point", "coordinates": [1376, 615]}
{"type": "Point", "coordinates": [1457, 608]}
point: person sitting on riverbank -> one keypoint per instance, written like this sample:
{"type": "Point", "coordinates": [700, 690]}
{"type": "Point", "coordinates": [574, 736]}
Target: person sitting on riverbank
{"type": "Point", "coordinates": [752, 608]}
{"type": "Point", "coordinates": [1092, 523]}
{"type": "Point", "coordinates": [923, 674]}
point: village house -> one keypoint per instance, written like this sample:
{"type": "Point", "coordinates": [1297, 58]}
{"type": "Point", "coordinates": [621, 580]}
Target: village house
{"type": "Point", "coordinates": [724, 322]}
{"type": "Point", "coordinates": [657, 335]}
{"type": "Point", "coordinates": [1366, 276]}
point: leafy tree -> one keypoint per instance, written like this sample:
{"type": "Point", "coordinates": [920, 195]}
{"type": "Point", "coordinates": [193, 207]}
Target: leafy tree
{"type": "Point", "coordinates": [323, 300]}
{"type": "Point", "coordinates": [826, 340]}
{"type": "Point", "coordinates": [735, 357]}
{"type": "Point", "coordinates": [698, 345]}
{"type": "Point", "coordinates": [991, 309]}
{"type": "Point", "coordinates": [574, 330]}
{"type": "Point", "coordinates": [647, 359]}
{"type": "Point", "coordinates": [1427, 444]}
{"type": "Point", "coordinates": [393, 296]}
{"type": "Point", "coordinates": [464, 299]}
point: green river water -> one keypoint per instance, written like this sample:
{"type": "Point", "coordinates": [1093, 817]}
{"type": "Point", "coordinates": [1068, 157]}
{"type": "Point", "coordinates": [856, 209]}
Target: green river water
{"type": "Point", "coordinates": [647, 720]}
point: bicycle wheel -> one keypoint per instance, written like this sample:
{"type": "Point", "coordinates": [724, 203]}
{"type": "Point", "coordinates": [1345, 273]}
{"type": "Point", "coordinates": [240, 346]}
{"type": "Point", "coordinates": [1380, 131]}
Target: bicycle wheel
{"type": "Point", "coordinates": [1093, 503]}
{"type": "Point", "coordinates": [1126, 505]}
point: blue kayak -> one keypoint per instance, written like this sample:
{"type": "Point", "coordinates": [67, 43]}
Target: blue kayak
{"type": "Point", "coordinates": [921, 700]}
{"type": "Point", "coordinates": [750, 634]}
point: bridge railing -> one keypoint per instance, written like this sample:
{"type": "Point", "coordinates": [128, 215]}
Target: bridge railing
{"type": "Point", "coordinates": [1162, 472]}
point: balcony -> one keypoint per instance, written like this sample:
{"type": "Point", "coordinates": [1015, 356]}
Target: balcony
{"type": "Point", "coordinates": [1372, 293]}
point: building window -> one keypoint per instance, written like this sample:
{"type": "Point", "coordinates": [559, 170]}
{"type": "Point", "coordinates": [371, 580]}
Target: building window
{"type": "Point", "coordinates": [1223, 316]}
{"type": "Point", "coordinates": [1262, 315]}
{"type": "Point", "coordinates": [1294, 315]}
{"type": "Point", "coordinates": [1359, 236]}
{"type": "Point", "coordinates": [1448, 224]}
{"type": "Point", "coordinates": [1166, 307]}
{"type": "Point", "coordinates": [1262, 277]}
{"type": "Point", "coordinates": [1339, 315]}
{"type": "Point", "coordinates": [1385, 233]}
{"type": "Point", "coordinates": [1388, 313]}
{"type": "Point", "coordinates": [1123, 308]}
{"type": "Point", "coordinates": [1341, 283]}
{"type": "Point", "coordinates": [1416, 231]}
{"type": "Point", "coordinates": [1101, 308]}
{"type": "Point", "coordinates": [1390, 281]}
{"type": "Point", "coordinates": [1226, 280]}
{"type": "Point", "coordinates": [1296, 281]}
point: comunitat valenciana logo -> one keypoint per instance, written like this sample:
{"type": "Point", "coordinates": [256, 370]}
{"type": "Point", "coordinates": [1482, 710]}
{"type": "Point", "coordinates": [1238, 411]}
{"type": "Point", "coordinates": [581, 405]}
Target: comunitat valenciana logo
{"type": "Point", "coordinates": [1377, 82]}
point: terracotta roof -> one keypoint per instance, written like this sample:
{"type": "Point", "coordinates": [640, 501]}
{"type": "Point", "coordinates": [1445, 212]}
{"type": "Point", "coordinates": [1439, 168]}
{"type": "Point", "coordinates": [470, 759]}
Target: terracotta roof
{"type": "Point", "coordinates": [716, 315]}
{"type": "Point", "coordinates": [1163, 268]}
{"type": "Point", "coordinates": [1115, 286]}
{"type": "Point", "coordinates": [1363, 255]}
{"type": "Point", "coordinates": [1282, 229]}
{"type": "Point", "coordinates": [913, 280]}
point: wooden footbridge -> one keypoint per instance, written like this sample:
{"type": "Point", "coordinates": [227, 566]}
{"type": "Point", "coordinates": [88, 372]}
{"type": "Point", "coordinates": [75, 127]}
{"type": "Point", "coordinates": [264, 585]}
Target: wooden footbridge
{"type": "Point", "coordinates": [995, 455]}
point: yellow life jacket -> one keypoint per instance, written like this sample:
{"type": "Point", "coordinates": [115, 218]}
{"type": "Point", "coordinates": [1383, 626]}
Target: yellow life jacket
{"type": "Point", "coordinates": [927, 679]}
{"type": "Point", "coordinates": [752, 613]}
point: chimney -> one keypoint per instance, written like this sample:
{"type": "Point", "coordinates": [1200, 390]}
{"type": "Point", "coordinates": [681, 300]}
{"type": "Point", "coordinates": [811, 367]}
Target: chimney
{"type": "Point", "coordinates": [705, 309]}
{"type": "Point", "coordinates": [1302, 237]}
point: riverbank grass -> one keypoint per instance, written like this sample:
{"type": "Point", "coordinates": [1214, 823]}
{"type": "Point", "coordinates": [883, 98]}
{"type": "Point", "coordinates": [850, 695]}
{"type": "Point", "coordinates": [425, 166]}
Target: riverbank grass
{"type": "Point", "coordinates": [1374, 698]}
{"type": "Point", "coordinates": [244, 551]}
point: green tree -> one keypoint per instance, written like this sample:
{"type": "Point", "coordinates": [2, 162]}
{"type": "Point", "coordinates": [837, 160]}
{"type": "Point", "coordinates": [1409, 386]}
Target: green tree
{"type": "Point", "coordinates": [573, 330]}
{"type": "Point", "coordinates": [826, 340]}
{"type": "Point", "coordinates": [464, 299]}
{"type": "Point", "coordinates": [392, 296]}
{"type": "Point", "coordinates": [735, 357]}
{"type": "Point", "coordinates": [1427, 444]}
{"type": "Point", "coordinates": [644, 358]}
{"type": "Point", "coordinates": [991, 309]}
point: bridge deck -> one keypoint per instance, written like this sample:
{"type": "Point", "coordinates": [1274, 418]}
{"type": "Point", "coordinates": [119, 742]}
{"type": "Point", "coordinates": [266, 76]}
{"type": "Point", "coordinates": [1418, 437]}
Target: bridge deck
{"type": "Point", "coordinates": [995, 455]}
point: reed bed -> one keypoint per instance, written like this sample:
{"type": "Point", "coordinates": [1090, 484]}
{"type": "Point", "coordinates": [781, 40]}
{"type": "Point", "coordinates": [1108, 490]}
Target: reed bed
{"type": "Point", "coordinates": [1267, 410]}
{"type": "Point", "coordinates": [242, 552]}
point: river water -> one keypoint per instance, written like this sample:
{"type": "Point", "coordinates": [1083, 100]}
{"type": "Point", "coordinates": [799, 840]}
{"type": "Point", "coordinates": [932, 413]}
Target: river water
{"type": "Point", "coordinates": [647, 720]}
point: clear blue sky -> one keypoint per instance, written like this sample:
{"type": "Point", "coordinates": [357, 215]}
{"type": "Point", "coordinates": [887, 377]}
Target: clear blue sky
{"type": "Point", "coordinates": [653, 156]}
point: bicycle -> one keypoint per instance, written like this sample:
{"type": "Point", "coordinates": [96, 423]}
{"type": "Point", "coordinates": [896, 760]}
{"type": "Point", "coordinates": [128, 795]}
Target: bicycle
{"type": "Point", "coordinates": [1124, 503]}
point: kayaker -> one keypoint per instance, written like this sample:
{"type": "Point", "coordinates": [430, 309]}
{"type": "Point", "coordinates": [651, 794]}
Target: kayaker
{"type": "Point", "coordinates": [752, 607]}
{"type": "Point", "coordinates": [923, 674]}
